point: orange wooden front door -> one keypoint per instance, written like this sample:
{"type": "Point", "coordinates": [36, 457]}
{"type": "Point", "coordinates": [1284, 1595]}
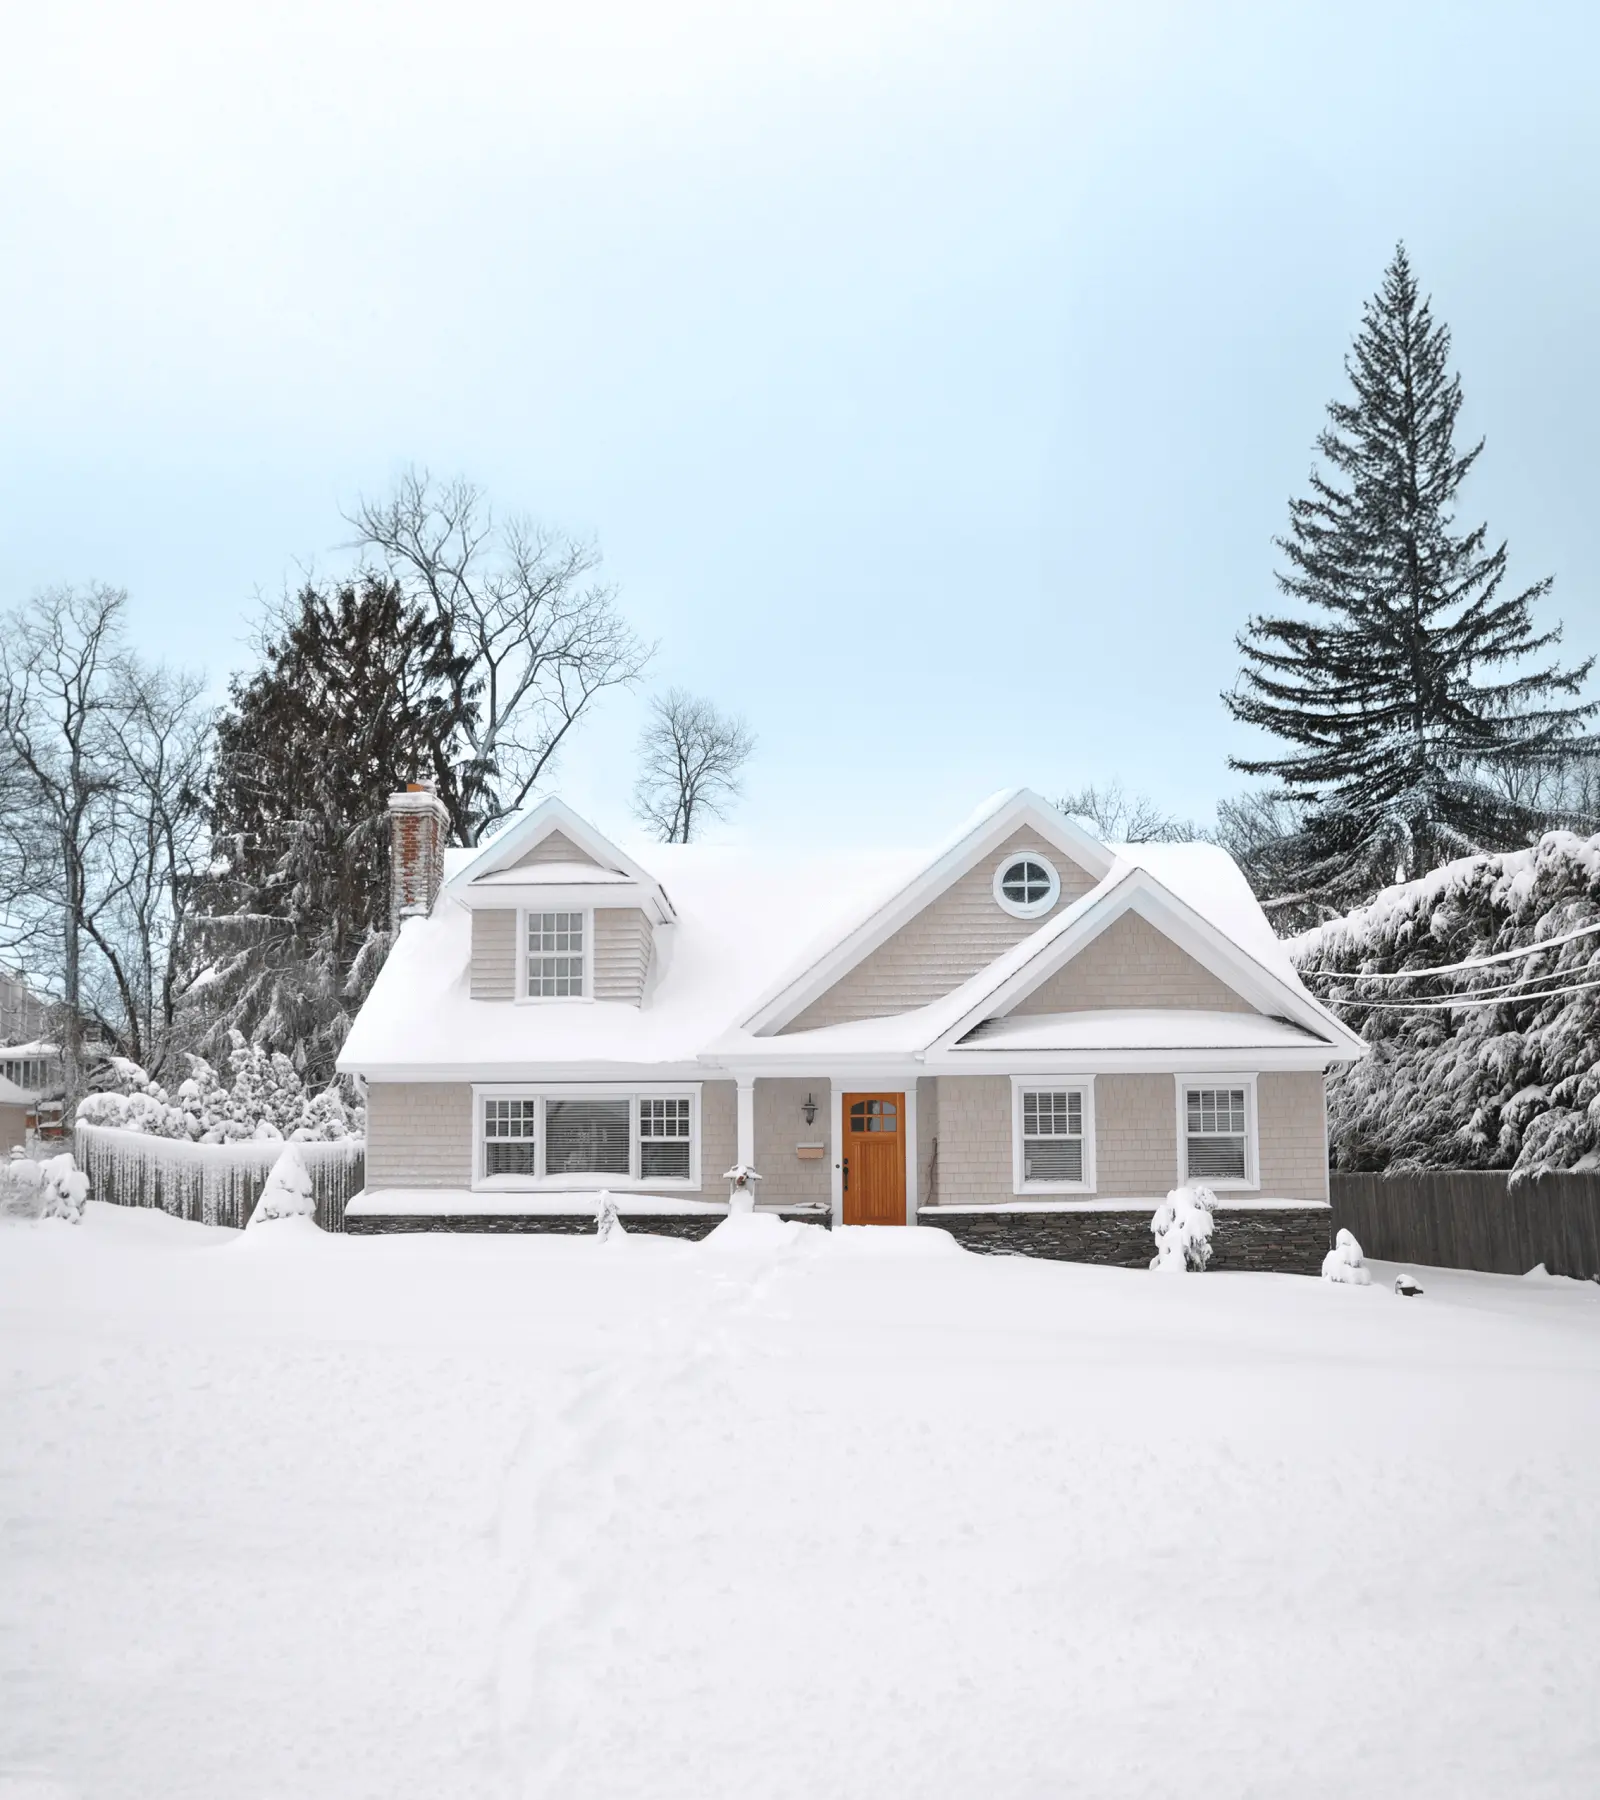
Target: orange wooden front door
{"type": "Point", "coordinates": [874, 1159]}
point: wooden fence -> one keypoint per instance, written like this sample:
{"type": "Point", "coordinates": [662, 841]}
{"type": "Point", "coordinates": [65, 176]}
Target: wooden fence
{"type": "Point", "coordinates": [210, 1184]}
{"type": "Point", "coordinates": [1474, 1219]}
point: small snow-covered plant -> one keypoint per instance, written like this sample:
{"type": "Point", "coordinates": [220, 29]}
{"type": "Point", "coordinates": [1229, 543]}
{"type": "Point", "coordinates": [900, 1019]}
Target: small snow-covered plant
{"type": "Point", "coordinates": [20, 1179]}
{"type": "Point", "coordinates": [1344, 1262]}
{"type": "Point", "coordinates": [741, 1180]}
{"type": "Point", "coordinates": [287, 1194]}
{"type": "Point", "coordinates": [1182, 1226]}
{"type": "Point", "coordinates": [53, 1189]}
{"type": "Point", "coordinates": [608, 1225]}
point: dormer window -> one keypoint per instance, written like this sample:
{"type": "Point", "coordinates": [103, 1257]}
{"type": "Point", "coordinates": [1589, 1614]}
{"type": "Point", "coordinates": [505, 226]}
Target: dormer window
{"type": "Point", "coordinates": [1027, 886]}
{"type": "Point", "coordinates": [555, 955]}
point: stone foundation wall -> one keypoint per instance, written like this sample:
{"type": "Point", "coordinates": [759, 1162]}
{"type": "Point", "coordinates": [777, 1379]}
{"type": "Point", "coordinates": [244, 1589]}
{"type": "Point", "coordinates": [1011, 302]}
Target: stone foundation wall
{"type": "Point", "coordinates": [1287, 1241]}
{"type": "Point", "coordinates": [678, 1225]}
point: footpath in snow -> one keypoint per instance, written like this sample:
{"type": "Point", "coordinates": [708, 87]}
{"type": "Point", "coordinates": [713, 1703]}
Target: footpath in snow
{"type": "Point", "coordinates": [781, 1514]}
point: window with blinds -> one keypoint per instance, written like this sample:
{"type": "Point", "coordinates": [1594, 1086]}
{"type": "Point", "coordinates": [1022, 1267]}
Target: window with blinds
{"type": "Point", "coordinates": [510, 1137]}
{"type": "Point", "coordinates": [1216, 1138]}
{"type": "Point", "coordinates": [587, 1137]}
{"type": "Point", "coordinates": [664, 1140]}
{"type": "Point", "coordinates": [1052, 1135]}
{"type": "Point", "coordinates": [555, 956]}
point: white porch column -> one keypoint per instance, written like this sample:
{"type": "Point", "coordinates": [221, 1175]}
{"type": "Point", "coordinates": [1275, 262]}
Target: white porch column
{"type": "Point", "coordinates": [836, 1142]}
{"type": "Point", "coordinates": [746, 1135]}
{"type": "Point", "coordinates": [911, 1150]}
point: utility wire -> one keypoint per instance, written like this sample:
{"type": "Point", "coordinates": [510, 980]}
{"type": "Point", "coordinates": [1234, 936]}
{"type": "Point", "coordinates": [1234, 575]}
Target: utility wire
{"type": "Point", "coordinates": [1475, 962]}
{"type": "Point", "coordinates": [1500, 997]}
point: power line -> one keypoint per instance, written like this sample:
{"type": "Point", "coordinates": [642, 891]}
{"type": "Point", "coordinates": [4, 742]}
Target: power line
{"type": "Point", "coordinates": [1500, 997]}
{"type": "Point", "coordinates": [1475, 962]}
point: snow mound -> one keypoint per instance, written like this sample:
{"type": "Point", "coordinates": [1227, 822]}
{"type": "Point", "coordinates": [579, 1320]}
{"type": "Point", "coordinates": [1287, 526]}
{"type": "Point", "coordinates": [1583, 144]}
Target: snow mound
{"type": "Point", "coordinates": [287, 1194]}
{"type": "Point", "coordinates": [1182, 1226]}
{"type": "Point", "coordinates": [755, 1234]}
{"type": "Point", "coordinates": [1345, 1263]}
{"type": "Point", "coordinates": [890, 1240]}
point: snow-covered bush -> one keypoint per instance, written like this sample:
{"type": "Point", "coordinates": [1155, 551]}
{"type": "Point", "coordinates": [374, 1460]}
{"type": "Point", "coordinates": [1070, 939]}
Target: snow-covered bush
{"type": "Point", "coordinates": [1182, 1227]}
{"type": "Point", "coordinates": [607, 1225]}
{"type": "Point", "coordinates": [1344, 1262]}
{"type": "Point", "coordinates": [53, 1189]}
{"type": "Point", "coordinates": [266, 1101]}
{"type": "Point", "coordinates": [1510, 1085]}
{"type": "Point", "coordinates": [287, 1194]}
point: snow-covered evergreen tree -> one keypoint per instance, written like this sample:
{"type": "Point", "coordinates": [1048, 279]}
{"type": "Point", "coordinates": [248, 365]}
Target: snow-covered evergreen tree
{"type": "Point", "coordinates": [1511, 1079]}
{"type": "Point", "coordinates": [1407, 668]}
{"type": "Point", "coordinates": [361, 690]}
{"type": "Point", "coordinates": [287, 1194]}
{"type": "Point", "coordinates": [1182, 1226]}
{"type": "Point", "coordinates": [1345, 1263]}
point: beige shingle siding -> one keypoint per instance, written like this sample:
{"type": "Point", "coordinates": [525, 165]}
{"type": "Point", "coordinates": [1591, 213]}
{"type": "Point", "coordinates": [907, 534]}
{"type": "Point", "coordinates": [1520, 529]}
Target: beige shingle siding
{"type": "Point", "coordinates": [419, 1134]}
{"type": "Point", "coordinates": [494, 954]}
{"type": "Point", "coordinates": [556, 848]}
{"type": "Point", "coordinates": [974, 1114]}
{"type": "Point", "coordinates": [621, 953]}
{"type": "Point", "coordinates": [953, 937]}
{"type": "Point", "coordinates": [1131, 964]}
{"type": "Point", "coordinates": [719, 1137]}
{"type": "Point", "coordinates": [1293, 1129]}
{"type": "Point", "coordinates": [927, 1140]}
{"type": "Point", "coordinates": [780, 1126]}
{"type": "Point", "coordinates": [1135, 1136]}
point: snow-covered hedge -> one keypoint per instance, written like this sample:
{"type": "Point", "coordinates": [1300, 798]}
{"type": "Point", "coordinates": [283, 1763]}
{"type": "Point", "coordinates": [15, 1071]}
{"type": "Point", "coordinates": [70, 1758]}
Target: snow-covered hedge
{"type": "Point", "coordinates": [1510, 1085]}
{"type": "Point", "coordinates": [267, 1100]}
{"type": "Point", "coordinates": [212, 1184]}
{"type": "Point", "coordinates": [54, 1188]}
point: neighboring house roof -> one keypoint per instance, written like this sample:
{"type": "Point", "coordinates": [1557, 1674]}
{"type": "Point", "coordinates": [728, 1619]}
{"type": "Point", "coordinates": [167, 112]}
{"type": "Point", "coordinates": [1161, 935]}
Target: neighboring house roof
{"type": "Point", "coordinates": [12, 1095]}
{"type": "Point", "coordinates": [726, 983]}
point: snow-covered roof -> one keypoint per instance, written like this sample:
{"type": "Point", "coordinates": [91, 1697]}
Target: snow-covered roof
{"type": "Point", "coordinates": [1137, 1028]}
{"type": "Point", "coordinates": [11, 1094]}
{"type": "Point", "coordinates": [750, 926]}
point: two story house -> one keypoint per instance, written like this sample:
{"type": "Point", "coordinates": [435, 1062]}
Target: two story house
{"type": "Point", "coordinates": [1024, 1037]}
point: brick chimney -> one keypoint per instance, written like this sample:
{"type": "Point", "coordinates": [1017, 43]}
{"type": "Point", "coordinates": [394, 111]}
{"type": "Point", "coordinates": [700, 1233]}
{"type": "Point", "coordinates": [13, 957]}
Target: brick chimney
{"type": "Point", "coordinates": [418, 826]}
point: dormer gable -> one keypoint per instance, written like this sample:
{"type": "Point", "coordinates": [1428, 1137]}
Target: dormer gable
{"type": "Point", "coordinates": [1007, 872]}
{"type": "Point", "coordinates": [552, 856]}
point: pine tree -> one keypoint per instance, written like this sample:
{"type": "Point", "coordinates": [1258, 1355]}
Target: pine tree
{"type": "Point", "coordinates": [360, 691]}
{"type": "Point", "coordinates": [1401, 684]}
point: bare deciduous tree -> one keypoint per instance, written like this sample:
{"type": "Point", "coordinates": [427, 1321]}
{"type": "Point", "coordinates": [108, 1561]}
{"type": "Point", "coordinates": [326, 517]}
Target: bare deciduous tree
{"type": "Point", "coordinates": [693, 760]}
{"type": "Point", "coordinates": [544, 638]}
{"type": "Point", "coordinates": [1123, 818]}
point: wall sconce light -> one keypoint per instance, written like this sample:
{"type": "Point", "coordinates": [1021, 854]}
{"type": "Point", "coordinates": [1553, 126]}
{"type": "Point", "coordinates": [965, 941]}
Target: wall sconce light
{"type": "Point", "coordinates": [810, 1110]}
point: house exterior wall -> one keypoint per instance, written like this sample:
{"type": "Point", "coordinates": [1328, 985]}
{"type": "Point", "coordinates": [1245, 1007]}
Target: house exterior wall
{"type": "Point", "coordinates": [1135, 1136]}
{"type": "Point", "coordinates": [494, 954]}
{"type": "Point", "coordinates": [954, 936]}
{"type": "Point", "coordinates": [419, 1134]}
{"type": "Point", "coordinates": [1292, 1119]}
{"type": "Point", "coordinates": [557, 847]}
{"type": "Point", "coordinates": [622, 945]}
{"type": "Point", "coordinates": [780, 1126]}
{"type": "Point", "coordinates": [13, 1128]}
{"type": "Point", "coordinates": [974, 1113]}
{"type": "Point", "coordinates": [719, 1137]}
{"type": "Point", "coordinates": [1131, 964]}
{"type": "Point", "coordinates": [928, 1173]}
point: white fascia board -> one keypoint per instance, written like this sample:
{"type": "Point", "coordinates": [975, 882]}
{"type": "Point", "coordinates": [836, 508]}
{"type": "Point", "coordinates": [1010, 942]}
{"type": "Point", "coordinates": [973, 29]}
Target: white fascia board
{"type": "Point", "coordinates": [1142, 893]}
{"type": "Point", "coordinates": [537, 824]}
{"type": "Point", "coordinates": [502, 1073]}
{"type": "Point", "coordinates": [1272, 1059]}
{"type": "Point", "coordinates": [1022, 809]}
{"type": "Point", "coordinates": [536, 896]}
{"type": "Point", "coordinates": [890, 1071]}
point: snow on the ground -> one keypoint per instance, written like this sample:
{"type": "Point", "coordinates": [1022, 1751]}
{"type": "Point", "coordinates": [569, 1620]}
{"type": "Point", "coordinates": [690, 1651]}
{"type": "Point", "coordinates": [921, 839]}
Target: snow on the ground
{"type": "Point", "coordinates": [285, 1514]}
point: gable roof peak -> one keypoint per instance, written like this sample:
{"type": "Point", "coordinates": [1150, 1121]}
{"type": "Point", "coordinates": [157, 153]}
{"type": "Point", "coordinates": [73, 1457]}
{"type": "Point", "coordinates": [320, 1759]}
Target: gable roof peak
{"type": "Point", "coordinates": [550, 816]}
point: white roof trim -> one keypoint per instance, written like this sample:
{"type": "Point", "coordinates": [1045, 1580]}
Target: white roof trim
{"type": "Point", "coordinates": [1057, 943]}
{"type": "Point", "coordinates": [1006, 814]}
{"type": "Point", "coordinates": [512, 844]}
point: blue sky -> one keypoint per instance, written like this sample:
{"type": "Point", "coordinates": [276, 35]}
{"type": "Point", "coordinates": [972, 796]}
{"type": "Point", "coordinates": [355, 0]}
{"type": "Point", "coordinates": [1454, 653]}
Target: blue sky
{"type": "Point", "coordinates": [933, 377]}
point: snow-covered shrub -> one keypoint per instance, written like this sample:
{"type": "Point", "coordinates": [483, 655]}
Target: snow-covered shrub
{"type": "Point", "coordinates": [1344, 1262]}
{"type": "Point", "coordinates": [287, 1194]}
{"type": "Point", "coordinates": [1510, 1085]}
{"type": "Point", "coordinates": [1182, 1227]}
{"type": "Point", "coordinates": [55, 1188]}
{"type": "Point", "coordinates": [607, 1225]}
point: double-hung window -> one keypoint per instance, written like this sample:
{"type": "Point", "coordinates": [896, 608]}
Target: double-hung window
{"type": "Point", "coordinates": [664, 1140]}
{"type": "Point", "coordinates": [1054, 1145]}
{"type": "Point", "coordinates": [555, 952]}
{"type": "Point", "coordinates": [1216, 1133]}
{"type": "Point", "coordinates": [510, 1137]}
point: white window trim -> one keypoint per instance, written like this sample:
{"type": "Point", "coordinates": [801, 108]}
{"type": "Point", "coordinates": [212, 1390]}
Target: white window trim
{"type": "Point", "coordinates": [542, 1092]}
{"type": "Point", "coordinates": [524, 998]}
{"type": "Point", "coordinates": [1052, 1084]}
{"type": "Point", "coordinates": [1252, 1154]}
{"type": "Point", "coordinates": [1037, 908]}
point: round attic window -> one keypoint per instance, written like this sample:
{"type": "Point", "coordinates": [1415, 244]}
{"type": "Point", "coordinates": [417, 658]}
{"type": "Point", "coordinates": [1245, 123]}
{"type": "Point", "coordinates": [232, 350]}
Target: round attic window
{"type": "Point", "coordinates": [1027, 886]}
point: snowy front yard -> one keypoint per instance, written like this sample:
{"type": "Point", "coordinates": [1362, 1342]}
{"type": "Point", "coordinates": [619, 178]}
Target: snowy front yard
{"type": "Point", "coordinates": [292, 1516]}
